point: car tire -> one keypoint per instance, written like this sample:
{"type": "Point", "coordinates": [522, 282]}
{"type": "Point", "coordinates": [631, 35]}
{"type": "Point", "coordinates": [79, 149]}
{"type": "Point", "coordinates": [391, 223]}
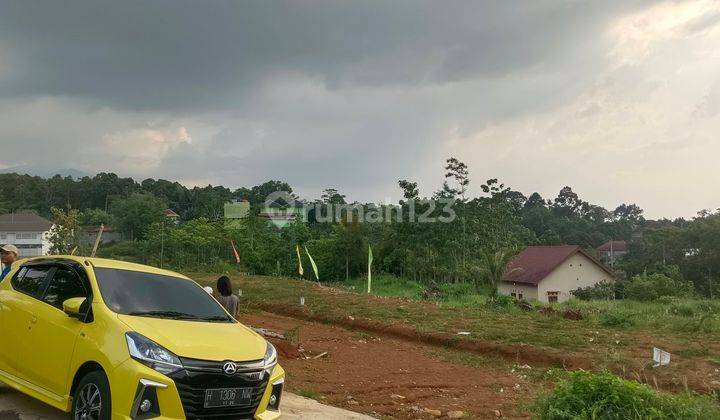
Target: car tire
{"type": "Point", "coordinates": [91, 400]}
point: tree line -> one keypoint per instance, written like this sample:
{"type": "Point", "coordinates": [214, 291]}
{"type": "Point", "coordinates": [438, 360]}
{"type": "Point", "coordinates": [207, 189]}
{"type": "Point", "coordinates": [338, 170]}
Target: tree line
{"type": "Point", "coordinates": [486, 230]}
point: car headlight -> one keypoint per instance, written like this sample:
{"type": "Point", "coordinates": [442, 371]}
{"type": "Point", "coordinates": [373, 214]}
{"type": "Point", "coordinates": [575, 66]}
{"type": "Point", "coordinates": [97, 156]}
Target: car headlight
{"type": "Point", "coordinates": [152, 354]}
{"type": "Point", "coordinates": [270, 359]}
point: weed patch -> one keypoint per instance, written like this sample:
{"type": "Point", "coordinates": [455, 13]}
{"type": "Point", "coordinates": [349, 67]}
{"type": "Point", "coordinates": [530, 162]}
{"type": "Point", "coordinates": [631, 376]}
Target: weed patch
{"type": "Point", "coordinates": [605, 396]}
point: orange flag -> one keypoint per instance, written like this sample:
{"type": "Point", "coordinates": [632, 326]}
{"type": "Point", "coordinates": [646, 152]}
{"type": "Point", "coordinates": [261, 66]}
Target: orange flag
{"type": "Point", "coordinates": [235, 252]}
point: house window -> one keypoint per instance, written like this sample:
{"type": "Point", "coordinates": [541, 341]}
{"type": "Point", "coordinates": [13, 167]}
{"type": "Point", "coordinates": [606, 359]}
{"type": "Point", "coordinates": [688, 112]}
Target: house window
{"type": "Point", "coordinates": [3, 235]}
{"type": "Point", "coordinates": [520, 296]}
{"type": "Point", "coordinates": [512, 294]}
{"type": "Point", "coordinates": [27, 235]}
{"type": "Point", "coordinates": [553, 297]}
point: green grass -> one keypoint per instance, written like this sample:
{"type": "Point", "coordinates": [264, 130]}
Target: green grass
{"type": "Point", "coordinates": [585, 395]}
{"type": "Point", "coordinates": [384, 285]}
{"type": "Point", "coordinates": [679, 315]}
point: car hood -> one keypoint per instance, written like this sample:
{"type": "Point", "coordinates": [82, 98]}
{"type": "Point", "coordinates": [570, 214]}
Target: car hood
{"type": "Point", "coordinates": [216, 341]}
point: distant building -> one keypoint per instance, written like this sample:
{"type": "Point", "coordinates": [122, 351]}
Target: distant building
{"type": "Point", "coordinates": [171, 215]}
{"type": "Point", "coordinates": [549, 273]}
{"type": "Point", "coordinates": [89, 234]}
{"type": "Point", "coordinates": [27, 231]}
{"type": "Point", "coordinates": [612, 251]}
{"type": "Point", "coordinates": [236, 211]}
{"type": "Point", "coordinates": [282, 217]}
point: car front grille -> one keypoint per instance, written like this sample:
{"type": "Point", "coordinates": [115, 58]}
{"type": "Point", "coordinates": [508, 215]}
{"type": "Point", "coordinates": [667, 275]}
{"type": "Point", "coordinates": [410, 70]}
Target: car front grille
{"type": "Point", "coordinates": [199, 376]}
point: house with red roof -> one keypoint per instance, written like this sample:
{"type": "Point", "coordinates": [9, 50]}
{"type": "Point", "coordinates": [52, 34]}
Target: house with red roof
{"type": "Point", "coordinates": [611, 251]}
{"type": "Point", "coordinates": [549, 273]}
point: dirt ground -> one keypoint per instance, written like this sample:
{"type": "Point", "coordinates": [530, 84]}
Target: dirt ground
{"type": "Point", "coordinates": [391, 378]}
{"type": "Point", "coordinates": [17, 406]}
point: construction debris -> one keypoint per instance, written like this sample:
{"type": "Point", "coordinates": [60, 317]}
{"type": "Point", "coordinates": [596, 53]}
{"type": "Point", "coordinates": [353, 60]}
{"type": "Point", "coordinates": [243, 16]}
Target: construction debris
{"type": "Point", "coordinates": [267, 333]}
{"type": "Point", "coordinates": [320, 355]}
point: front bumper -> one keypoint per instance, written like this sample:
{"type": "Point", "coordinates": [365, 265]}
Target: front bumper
{"type": "Point", "coordinates": [177, 395]}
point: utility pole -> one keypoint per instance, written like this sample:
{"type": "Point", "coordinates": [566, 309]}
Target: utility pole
{"type": "Point", "coordinates": [97, 240]}
{"type": "Point", "coordinates": [162, 242]}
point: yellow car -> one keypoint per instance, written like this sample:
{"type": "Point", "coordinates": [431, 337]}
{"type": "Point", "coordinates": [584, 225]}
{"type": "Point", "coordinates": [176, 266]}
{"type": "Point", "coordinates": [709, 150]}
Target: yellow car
{"type": "Point", "coordinates": [104, 339]}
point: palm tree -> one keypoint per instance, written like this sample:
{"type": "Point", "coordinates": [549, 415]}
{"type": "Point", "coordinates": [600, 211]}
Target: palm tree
{"type": "Point", "coordinates": [495, 268]}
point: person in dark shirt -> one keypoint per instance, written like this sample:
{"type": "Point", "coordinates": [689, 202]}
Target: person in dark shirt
{"type": "Point", "coordinates": [8, 255]}
{"type": "Point", "coordinates": [226, 296]}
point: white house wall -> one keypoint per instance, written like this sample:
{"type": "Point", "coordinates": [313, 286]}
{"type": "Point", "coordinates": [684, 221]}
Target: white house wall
{"type": "Point", "coordinates": [528, 292]}
{"type": "Point", "coordinates": [577, 271]}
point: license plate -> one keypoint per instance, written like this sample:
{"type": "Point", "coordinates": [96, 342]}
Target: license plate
{"type": "Point", "coordinates": [227, 397]}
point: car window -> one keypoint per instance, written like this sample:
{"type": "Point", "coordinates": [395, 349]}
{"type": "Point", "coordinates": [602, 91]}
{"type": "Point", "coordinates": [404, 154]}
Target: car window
{"type": "Point", "coordinates": [147, 294]}
{"type": "Point", "coordinates": [65, 284]}
{"type": "Point", "coordinates": [32, 281]}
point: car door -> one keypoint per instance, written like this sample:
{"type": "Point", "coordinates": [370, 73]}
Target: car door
{"type": "Point", "coordinates": [19, 303]}
{"type": "Point", "coordinates": [8, 355]}
{"type": "Point", "coordinates": [53, 334]}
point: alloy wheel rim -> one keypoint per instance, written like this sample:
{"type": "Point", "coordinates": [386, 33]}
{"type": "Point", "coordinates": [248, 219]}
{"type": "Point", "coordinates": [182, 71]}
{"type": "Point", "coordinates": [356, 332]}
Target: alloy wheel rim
{"type": "Point", "coordinates": [89, 404]}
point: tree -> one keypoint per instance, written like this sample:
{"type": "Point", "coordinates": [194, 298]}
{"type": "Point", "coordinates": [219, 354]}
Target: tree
{"type": "Point", "coordinates": [332, 196]}
{"type": "Point", "coordinates": [137, 212]}
{"type": "Point", "coordinates": [458, 172]}
{"type": "Point", "coordinates": [494, 268]}
{"type": "Point", "coordinates": [95, 217]}
{"type": "Point", "coordinates": [64, 235]}
{"type": "Point", "coordinates": [410, 189]}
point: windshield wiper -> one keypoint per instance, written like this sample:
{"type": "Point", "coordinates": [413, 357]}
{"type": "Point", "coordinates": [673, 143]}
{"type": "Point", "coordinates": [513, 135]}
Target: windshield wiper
{"type": "Point", "coordinates": [216, 318]}
{"type": "Point", "coordinates": [165, 314]}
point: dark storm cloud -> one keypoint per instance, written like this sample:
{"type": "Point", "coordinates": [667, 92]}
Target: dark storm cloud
{"type": "Point", "coordinates": [359, 94]}
{"type": "Point", "coordinates": [200, 56]}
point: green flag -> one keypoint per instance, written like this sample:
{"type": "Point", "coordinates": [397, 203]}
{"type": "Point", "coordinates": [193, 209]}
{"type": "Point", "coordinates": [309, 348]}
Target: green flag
{"type": "Point", "coordinates": [300, 267]}
{"type": "Point", "coordinates": [312, 262]}
{"type": "Point", "coordinates": [370, 260]}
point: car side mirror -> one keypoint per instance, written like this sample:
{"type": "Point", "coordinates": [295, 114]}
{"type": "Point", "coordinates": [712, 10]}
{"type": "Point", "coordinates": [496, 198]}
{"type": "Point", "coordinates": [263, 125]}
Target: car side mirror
{"type": "Point", "coordinates": [73, 307]}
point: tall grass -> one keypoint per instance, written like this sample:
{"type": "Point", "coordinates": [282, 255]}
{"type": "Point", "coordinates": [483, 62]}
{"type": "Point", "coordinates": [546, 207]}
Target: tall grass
{"type": "Point", "coordinates": [676, 314]}
{"type": "Point", "coordinates": [585, 395]}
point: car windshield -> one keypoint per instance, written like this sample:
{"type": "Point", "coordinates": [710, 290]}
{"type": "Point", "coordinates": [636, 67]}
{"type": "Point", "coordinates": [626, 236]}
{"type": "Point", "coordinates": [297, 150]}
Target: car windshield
{"type": "Point", "coordinates": [155, 295]}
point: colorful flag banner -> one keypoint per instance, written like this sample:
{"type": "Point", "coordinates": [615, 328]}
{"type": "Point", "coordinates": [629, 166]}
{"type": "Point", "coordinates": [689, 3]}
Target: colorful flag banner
{"type": "Point", "coordinates": [235, 252]}
{"type": "Point", "coordinates": [312, 262]}
{"type": "Point", "coordinates": [300, 267]}
{"type": "Point", "coordinates": [370, 261]}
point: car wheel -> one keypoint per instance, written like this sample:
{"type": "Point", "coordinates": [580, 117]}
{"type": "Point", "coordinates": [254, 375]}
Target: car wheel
{"type": "Point", "coordinates": [92, 398]}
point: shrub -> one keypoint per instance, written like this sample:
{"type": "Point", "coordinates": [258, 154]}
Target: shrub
{"type": "Point", "coordinates": [501, 301]}
{"type": "Point", "coordinates": [585, 395]}
{"type": "Point", "coordinates": [601, 291]}
{"type": "Point", "coordinates": [648, 287]}
{"type": "Point", "coordinates": [682, 309]}
{"type": "Point", "coordinates": [616, 319]}
{"type": "Point", "coordinates": [455, 290]}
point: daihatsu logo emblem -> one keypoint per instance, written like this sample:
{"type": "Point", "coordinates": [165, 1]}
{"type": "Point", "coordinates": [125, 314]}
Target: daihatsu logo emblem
{"type": "Point", "coordinates": [229, 368]}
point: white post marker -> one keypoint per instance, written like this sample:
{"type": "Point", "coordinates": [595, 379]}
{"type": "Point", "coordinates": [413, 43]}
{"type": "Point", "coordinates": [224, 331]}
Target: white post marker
{"type": "Point", "coordinates": [660, 357]}
{"type": "Point", "coordinates": [302, 301]}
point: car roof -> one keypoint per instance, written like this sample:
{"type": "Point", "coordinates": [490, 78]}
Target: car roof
{"type": "Point", "coordinates": [105, 263]}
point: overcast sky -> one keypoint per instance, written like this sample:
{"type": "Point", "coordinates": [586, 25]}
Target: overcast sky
{"type": "Point", "coordinates": [618, 99]}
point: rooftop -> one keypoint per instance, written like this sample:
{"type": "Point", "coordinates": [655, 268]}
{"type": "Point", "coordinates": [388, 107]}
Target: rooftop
{"type": "Point", "coordinates": [23, 222]}
{"type": "Point", "coordinates": [536, 262]}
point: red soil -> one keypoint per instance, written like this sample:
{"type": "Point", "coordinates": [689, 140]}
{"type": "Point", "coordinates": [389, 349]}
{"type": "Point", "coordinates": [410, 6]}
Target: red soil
{"type": "Point", "coordinates": [391, 377]}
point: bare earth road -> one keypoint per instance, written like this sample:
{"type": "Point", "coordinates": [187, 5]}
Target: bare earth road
{"type": "Point", "coordinates": [16, 406]}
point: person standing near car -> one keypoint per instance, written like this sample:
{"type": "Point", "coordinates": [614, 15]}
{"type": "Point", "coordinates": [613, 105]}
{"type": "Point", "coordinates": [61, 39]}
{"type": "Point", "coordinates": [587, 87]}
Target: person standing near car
{"type": "Point", "coordinates": [8, 255]}
{"type": "Point", "coordinates": [227, 299]}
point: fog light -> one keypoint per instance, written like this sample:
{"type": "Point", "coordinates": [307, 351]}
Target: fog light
{"type": "Point", "coordinates": [145, 406]}
{"type": "Point", "coordinates": [273, 400]}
